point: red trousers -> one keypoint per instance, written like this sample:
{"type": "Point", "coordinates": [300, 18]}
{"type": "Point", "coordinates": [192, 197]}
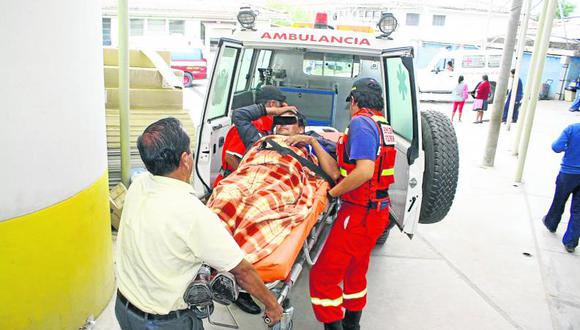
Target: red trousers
{"type": "Point", "coordinates": [345, 259]}
{"type": "Point", "coordinates": [458, 106]}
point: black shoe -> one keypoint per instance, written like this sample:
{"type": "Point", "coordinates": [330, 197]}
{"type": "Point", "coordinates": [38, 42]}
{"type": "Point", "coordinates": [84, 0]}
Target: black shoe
{"type": "Point", "coordinates": [351, 320]}
{"type": "Point", "coordinates": [570, 248]}
{"type": "Point", "coordinates": [333, 326]}
{"type": "Point", "coordinates": [247, 304]}
{"type": "Point", "coordinates": [549, 229]}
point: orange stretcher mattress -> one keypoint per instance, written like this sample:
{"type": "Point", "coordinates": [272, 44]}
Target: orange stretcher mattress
{"type": "Point", "coordinates": [278, 264]}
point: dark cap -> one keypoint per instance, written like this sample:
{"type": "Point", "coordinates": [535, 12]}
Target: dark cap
{"type": "Point", "coordinates": [267, 93]}
{"type": "Point", "coordinates": [366, 85]}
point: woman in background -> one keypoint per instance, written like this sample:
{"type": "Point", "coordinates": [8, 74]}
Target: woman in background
{"type": "Point", "coordinates": [482, 91]}
{"type": "Point", "coordinates": [459, 96]}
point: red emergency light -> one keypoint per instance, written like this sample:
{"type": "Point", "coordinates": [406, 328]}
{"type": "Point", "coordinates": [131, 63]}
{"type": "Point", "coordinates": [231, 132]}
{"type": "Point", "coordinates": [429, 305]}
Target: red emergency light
{"type": "Point", "coordinates": [321, 21]}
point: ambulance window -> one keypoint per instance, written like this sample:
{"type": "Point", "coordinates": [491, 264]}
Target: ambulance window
{"type": "Point", "coordinates": [263, 62]}
{"type": "Point", "coordinates": [399, 97]}
{"type": "Point", "coordinates": [493, 61]}
{"type": "Point", "coordinates": [473, 61]}
{"type": "Point", "coordinates": [223, 79]}
{"type": "Point", "coordinates": [245, 75]}
{"type": "Point", "coordinates": [330, 65]}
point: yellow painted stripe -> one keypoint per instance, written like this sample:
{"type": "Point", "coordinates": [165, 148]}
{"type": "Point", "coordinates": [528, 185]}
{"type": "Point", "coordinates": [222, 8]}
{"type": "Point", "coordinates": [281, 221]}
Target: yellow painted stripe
{"type": "Point", "coordinates": [56, 264]}
{"type": "Point", "coordinates": [356, 295]}
{"type": "Point", "coordinates": [388, 171]}
{"type": "Point", "coordinates": [326, 302]}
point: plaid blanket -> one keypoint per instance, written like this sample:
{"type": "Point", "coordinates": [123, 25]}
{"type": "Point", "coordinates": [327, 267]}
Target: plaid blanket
{"type": "Point", "coordinates": [267, 196]}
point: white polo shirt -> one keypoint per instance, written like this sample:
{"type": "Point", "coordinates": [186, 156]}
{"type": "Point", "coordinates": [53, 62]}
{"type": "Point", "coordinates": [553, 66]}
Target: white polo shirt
{"type": "Point", "coordinates": [165, 235]}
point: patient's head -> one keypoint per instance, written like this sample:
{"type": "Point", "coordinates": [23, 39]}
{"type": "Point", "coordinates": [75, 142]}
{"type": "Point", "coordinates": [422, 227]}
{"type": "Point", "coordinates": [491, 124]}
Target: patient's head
{"type": "Point", "coordinates": [289, 123]}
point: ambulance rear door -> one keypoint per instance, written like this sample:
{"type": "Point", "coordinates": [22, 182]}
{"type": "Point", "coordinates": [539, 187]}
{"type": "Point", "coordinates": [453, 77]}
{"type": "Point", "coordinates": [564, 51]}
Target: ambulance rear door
{"type": "Point", "coordinates": [215, 121]}
{"type": "Point", "coordinates": [403, 115]}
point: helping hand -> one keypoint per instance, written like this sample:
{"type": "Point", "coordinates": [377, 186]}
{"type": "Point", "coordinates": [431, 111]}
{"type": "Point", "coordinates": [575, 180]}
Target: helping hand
{"type": "Point", "coordinates": [299, 138]}
{"type": "Point", "coordinates": [276, 111]}
{"type": "Point", "coordinates": [274, 314]}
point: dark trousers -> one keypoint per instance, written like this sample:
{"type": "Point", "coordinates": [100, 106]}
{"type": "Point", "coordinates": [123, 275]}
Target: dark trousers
{"type": "Point", "coordinates": [566, 184]}
{"type": "Point", "coordinates": [515, 114]}
{"type": "Point", "coordinates": [131, 320]}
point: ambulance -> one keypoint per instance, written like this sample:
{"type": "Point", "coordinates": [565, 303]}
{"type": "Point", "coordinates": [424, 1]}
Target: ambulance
{"type": "Point", "coordinates": [315, 68]}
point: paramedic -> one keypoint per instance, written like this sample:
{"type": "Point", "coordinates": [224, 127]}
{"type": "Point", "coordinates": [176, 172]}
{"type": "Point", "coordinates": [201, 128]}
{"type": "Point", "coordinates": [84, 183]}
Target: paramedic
{"type": "Point", "coordinates": [165, 235]}
{"type": "Point", "coordinates": [234, 149]}
{"type": "Point", "coordinates": [366, 158]}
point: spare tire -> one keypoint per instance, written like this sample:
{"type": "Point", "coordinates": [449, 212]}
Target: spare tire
{"type": "Point", "coordinates": [441, 166]}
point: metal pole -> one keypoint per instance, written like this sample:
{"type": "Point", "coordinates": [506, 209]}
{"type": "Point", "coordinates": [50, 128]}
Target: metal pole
{"type": "Point", "coordinates": [545, 41]}
{"type": "Point", "coordinates": [124, 91]}
{"type": "Point", "coordinates": [532, 76]}
{"type": "Point", "coordinates": [519, 58]}
{"type": "Point", "coordinates": [499, 98]}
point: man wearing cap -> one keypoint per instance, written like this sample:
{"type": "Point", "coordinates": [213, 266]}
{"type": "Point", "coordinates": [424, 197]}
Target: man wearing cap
{"type": "Point", "coordinates": [366, 159]}
{"type": "Point", "coordinates": [268, 97]}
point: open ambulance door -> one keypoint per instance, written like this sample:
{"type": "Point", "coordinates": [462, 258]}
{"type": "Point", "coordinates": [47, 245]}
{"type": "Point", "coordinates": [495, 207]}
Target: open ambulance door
{"type": "Point", "coordinates": [215, 121]}
{"type": "Point", "coordinates": [403, 116]}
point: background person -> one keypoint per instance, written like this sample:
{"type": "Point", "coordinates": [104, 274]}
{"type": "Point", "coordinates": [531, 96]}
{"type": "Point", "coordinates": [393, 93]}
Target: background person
{"type": "Point", "coordinates": [460, 94]}
{"type": "Point", "coordinates": [518, 102]}
{"type": "Point", "coordinates": [165, 235]}
{"type": "Point", "coordinates": [482, 93]}
{"type": "Point", "coordinates": [567, 183]}
{"type": "Point", "coordinates": [366, 158]}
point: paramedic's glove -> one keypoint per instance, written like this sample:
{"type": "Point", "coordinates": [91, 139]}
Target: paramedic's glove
{"type": "Point", "coordinates": [276, 111]}
{"type": "Point", "coordinates": [273, 314]}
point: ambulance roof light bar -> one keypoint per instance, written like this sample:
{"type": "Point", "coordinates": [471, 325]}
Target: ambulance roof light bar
{"type": "Point", "coordinates": [247, 18]}
{"type": "Point", "coordinates": [388, 24]}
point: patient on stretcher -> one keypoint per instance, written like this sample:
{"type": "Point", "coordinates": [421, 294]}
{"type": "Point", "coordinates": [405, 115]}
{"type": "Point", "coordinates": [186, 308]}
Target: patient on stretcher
{"type": "Point", "coordinates": [268, 195]}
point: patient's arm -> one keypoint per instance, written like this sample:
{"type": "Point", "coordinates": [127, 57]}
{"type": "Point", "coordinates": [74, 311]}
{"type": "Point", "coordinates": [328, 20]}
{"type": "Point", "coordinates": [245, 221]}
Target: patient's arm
{"type": "Point", "coordinates": [326, 161]}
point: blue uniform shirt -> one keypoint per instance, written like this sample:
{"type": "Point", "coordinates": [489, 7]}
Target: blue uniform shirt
{"type": "Point", "coordinates": [363, 139]}
{"type": "Point", "coordinates": [569, 142]}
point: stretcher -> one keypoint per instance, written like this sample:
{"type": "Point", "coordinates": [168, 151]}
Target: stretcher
{"type": "Point", "coordinates": [281, 269]}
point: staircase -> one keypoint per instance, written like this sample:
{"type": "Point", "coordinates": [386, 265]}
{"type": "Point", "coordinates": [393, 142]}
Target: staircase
{"type": "Point", "coordinates": [151, 98]}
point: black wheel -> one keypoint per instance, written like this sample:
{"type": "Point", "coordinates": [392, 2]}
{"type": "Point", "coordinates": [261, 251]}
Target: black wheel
{"type": "Point", "coordinates": [441, 166]}
{"type": "Point", "coordinates": [385, 235]}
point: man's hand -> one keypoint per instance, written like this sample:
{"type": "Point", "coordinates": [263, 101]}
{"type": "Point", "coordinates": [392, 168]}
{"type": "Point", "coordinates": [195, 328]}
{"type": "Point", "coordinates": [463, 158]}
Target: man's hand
{"type": "Point", "coordinates": [300, 138]}
{"type": "Point", "coordinates": [276, 111]}
{"type": "Point", "coordinates": [274, 313]}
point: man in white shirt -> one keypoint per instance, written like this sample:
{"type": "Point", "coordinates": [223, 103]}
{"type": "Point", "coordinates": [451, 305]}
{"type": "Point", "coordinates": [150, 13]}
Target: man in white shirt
{"type": "Point", "coordinates": [166, 233]}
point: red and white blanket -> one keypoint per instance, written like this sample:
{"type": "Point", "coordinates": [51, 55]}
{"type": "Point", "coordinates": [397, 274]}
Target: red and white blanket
{"type": "Point", "coordinates": [267, 196]}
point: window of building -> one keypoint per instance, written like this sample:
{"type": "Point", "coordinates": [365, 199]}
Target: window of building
{"type": "Point", "coordinates": [176, 27]}
{"type": "Point", "coordinates": [137, 27]}
{"type": "Point", "coordinates": [155, 26]}
{"type": "Point", "coordinates": [369, 14]}
{"type": "Point", "coordinates": [412, 19]}
{"type": "Point", "coordinates": [438, 20]}
{"type": "Point", "coordinates": [473, 61]}
{"type": "Point", "coordinates": [493, 61]}
{"type": "Point", "coordinates": [106, 31]}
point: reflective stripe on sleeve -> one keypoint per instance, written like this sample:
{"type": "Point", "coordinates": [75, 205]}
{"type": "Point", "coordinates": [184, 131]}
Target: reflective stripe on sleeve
{"type": "Point", "coordinates": [388, 171]}
{"type": "Point", "coordinates": [326, 302]}
{"type": "Point", "coordinates": [356, 295]}
{"type": "Point", "coordinates": [343, 172]}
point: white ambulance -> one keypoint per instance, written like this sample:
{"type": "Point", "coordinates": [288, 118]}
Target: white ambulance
{"type": "Point", "coordinates": [315, 69]}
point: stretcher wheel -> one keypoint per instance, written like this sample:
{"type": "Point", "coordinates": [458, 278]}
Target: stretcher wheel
{"type": "Point", "coordinates": [441, 166]}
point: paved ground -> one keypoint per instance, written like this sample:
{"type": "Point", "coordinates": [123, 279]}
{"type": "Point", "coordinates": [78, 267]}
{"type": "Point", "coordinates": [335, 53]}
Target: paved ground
{"type": "Point", "coordinates": [489, 265]}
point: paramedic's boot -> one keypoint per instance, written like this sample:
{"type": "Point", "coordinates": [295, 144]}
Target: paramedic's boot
{"type": "Point", "coordinates": [351, 320]}
{"type": "Point", "coordinates": [333, 326]}
{"type": "Point", "coordinates": [247, 304]}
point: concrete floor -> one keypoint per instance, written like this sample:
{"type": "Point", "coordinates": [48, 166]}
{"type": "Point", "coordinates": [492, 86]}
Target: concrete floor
{"type": "Point", "coordinates": [489, 265]}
